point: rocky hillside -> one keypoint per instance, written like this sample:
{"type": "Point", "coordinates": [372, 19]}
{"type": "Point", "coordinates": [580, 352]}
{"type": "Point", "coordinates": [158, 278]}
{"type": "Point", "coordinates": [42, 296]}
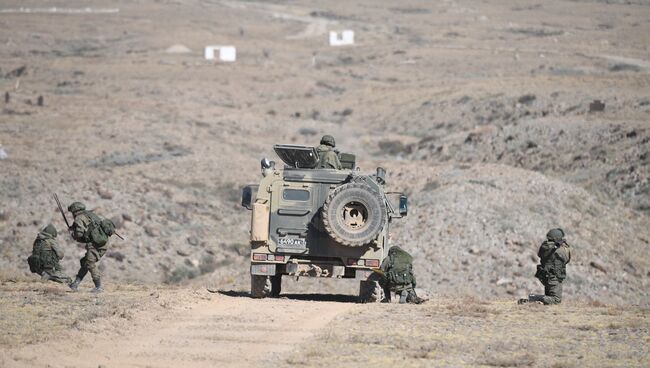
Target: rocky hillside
{"type": "Point", "coordinates": [500, 121]}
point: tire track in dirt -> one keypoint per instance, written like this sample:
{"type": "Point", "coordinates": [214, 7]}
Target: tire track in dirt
{"type": "Point", "coordinates": [224, 331]}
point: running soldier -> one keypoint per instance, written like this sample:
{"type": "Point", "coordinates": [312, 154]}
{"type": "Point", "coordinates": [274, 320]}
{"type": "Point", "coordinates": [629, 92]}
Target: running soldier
{"type": "Point", "coordinates": [94, 231]}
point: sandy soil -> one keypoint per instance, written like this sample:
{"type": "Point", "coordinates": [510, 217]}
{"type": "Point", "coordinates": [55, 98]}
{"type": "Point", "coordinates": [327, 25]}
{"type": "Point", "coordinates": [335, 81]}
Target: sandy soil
{"type": "Point", "coordinates": [165, 328]}
{"type": "Point", "coordinates": [138, 326]}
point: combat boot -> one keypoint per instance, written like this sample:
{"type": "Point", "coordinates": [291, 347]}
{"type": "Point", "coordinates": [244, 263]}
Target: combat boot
{"type": "Point", "coordinates": [402, 296]}
{"type": "Point", "coordinates": [98, 287]}
{"type": "Point", "coordinates": [74, 286]}
{"type": "Point", "coordinates": [413, 298]}
{"type": "Point", "coordinates": [45, 276]}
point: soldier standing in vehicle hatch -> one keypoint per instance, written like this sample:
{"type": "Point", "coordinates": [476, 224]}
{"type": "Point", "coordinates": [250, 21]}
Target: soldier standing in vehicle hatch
{"type": "Point", "coordinates": [328, 158]}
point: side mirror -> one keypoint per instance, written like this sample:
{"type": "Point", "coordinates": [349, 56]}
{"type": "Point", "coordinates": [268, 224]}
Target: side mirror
{"type": "Point", "coordinates": [403, 205]}
{"type": "Point", "coordinates": [248, 195]}
{"type": "Point", "coordinates": [398, 204]}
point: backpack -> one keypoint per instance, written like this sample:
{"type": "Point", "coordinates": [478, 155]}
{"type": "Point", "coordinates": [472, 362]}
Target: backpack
{"type": "Point", "coordinates": [400, 270]}
{"type": "Point", "coordinates": [35, 265]}
{"type": "Point", "coordinates": [100, 229]}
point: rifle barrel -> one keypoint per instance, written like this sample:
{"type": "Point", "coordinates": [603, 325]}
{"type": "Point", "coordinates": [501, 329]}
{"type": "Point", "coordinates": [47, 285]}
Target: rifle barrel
{"type": "Point", "coordinates": [58, 203]}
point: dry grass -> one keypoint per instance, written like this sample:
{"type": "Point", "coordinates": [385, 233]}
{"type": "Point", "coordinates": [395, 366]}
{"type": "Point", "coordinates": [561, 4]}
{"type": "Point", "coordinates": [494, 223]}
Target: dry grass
{"type": "Point", "coordinates": [468, 332]}
{"type": "Point", "coordinates": [34, 311]}
{"type": "Point", "coordinates": [515, 360]}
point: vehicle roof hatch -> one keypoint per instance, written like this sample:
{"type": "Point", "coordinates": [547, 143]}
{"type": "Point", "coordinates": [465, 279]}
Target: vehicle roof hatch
{"type": "Point", "coordinates": [296, 156]}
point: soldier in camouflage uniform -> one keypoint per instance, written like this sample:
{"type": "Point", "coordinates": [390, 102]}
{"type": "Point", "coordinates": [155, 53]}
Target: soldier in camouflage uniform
{"type": "Point", "coordinates": [328, 158]}
{"type": "Point", "coordinates": [554, 254]}
{"type": "Point", "coordinates": [46, 254]}
{"type": "Point", "coordinates": [397, 270]}
{"type": "Point", "coordinates": [80, 231]}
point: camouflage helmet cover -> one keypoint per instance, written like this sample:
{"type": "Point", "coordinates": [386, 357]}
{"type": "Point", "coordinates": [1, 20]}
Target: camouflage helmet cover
{"type": "Point", "coordinates": [328, 140]}
{"type": "Point", "coordinates": [555, 235]}
{"type": "Point", "coordinates": [76, 206]}
{"type": "Point", "coordinates": [50, 229]}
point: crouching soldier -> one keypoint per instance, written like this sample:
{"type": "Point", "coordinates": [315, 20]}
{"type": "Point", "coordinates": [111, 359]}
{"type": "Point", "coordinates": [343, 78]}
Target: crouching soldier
{"type": "Point", "coordinates": [398, 277]}
{"type": "Point", "coordinates": [46, 254]}
{"type": "Point", "coordinates": [554, 254]}
{"type": "Point", "coordinates": [94, 231]}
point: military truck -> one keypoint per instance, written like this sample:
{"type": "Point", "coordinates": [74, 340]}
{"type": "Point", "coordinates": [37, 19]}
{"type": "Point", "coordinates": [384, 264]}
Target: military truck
{"type": "Point", "coordinates": [309, 222]}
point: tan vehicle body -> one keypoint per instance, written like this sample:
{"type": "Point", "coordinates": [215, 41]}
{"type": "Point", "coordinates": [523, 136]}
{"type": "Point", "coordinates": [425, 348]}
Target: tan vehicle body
{"type": "Point", "coordinates": [317, 222]}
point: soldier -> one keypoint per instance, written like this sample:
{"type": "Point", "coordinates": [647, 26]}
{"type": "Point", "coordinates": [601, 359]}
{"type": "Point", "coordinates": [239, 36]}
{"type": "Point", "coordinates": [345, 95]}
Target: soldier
{"type": "Point", "coordinates": [554, 254]}
{"type": "Point", "coordinates": [328, 158]}
{"type": "Point", "coordinates": [397, 270]}
{"type": "Point", "coordinates": [94, 231]}
{"type": "Point", "coordinates": [45, 257]}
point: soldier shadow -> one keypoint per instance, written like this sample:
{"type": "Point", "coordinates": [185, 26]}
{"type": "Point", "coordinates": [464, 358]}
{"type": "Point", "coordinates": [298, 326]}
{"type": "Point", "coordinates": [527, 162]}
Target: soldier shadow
{"type": "Point", "coordinates": [338, 298]}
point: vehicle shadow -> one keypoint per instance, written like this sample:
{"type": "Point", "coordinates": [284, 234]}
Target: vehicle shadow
{"type": "Point", "coordinates": [339, 298]}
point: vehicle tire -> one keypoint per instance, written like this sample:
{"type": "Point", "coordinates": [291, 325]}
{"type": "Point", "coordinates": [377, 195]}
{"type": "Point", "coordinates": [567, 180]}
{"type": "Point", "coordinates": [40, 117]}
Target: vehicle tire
{"type": "Point", "coordinates": [354, 214]}
{"type": "Point", "coordinates": [276, 285]}
{"type": "Point", "coordinates": [260, 286]}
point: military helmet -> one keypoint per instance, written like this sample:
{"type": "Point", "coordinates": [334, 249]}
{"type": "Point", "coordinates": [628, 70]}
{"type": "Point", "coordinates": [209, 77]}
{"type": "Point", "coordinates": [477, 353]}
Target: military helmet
{"type": "Point", "coordinates": [328, 140]}
{"type": "Point", "coordinates": [76, 207]}
{"type": "Point", "coordinates": [50, 229]}
{"type": "Point", "coordinates": [555, 235]}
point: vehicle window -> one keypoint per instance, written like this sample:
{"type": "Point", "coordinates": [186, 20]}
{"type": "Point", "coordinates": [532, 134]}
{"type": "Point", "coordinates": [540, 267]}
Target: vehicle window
{"type": "Point", "coordinates": [295, 195]}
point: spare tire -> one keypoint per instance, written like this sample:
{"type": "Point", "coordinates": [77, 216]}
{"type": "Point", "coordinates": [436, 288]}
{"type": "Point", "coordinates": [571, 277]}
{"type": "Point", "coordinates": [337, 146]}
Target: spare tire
{"type": "Point", "coordinates": [354, 214]}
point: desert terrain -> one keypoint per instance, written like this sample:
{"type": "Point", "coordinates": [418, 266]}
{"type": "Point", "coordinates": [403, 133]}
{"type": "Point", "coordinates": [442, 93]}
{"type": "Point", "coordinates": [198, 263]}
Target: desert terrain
{"type": "Point", "coordinates": [499, 119]}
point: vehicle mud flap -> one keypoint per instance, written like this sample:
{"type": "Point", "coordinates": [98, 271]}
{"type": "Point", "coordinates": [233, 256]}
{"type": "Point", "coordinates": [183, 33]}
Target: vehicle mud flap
{"type": "Point", "coordinates": [260, 222]}
{"type": "Point", "coordinates": [261, 286]}
{"type": "Point", "coordinates": [370, 290]}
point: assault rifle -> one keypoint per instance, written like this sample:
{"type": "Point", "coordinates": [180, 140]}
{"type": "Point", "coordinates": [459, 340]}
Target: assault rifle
{"type": "Point", "coordinates": [58, 203]}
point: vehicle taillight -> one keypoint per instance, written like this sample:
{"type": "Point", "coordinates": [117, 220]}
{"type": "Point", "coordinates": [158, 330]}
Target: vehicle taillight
{"type": "Point", "coordinates": [259, 257]}
{"type": "Point", "coordinates": [352, 262]}
{"type": "Point", "coordinates": [372, 262]}
{"type": "Point", "coordinates": [279, 258]}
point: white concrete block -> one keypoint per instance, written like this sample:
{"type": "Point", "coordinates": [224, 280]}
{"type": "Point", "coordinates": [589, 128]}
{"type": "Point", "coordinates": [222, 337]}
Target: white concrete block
{"type": "Point", "coordinates": [226, 53]}
{"type": "Point", "coordinates": [341, 39]}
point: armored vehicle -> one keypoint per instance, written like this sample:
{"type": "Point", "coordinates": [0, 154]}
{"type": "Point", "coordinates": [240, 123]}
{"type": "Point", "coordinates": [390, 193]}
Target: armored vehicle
{"type": "Point", "coordinates": [310, 222]}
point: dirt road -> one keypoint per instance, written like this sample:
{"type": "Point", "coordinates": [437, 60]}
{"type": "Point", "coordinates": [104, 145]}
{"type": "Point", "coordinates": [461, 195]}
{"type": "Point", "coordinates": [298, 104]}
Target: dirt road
{"type": "Point", "coordinates": [220, 331]}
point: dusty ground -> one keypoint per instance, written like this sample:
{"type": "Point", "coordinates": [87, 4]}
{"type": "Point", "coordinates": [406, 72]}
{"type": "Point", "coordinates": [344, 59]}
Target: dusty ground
{"type": "Point", "coordinates": [140, 326]}
{"type": "Point", "coordinates": [483, 112]}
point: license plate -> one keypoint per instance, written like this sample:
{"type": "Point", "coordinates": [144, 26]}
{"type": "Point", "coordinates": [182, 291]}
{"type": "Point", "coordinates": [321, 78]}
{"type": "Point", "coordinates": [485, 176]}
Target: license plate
{"type": "Point", "coordinates": [292, 242]}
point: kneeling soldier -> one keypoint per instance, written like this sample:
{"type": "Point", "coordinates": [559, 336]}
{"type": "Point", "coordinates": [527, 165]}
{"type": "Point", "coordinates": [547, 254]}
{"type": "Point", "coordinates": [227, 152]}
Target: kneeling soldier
{"type": "Point", "coordinates": [398, 276]}
{"type": "Point", "coordinates": [46, 254]}
{"type": "Point", "coordinates": [554, 254]}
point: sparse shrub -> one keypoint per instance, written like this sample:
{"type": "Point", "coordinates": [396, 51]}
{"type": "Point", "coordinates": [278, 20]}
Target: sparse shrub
{"type": "Point", "coordinates": [181, 273]}
{"type": "Point", "coordinates": [242, 249]}
{"type": "Point", "coordinates": [563, 365]}
{"type": "Point", "coordinates": [586, 328]}
{"type": "Point", "coordinates": [596, 303]}
{"type": "Point", "coordinates": [394, 147]}
{"type": "Point", "coordinates": [207, 264]}
{"type": "Point", "coordinates": [310, 131]}
{"type": "Point", "coordinates": [521, 360]}
{"type": "Point", "coordinates": [431, 185]}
